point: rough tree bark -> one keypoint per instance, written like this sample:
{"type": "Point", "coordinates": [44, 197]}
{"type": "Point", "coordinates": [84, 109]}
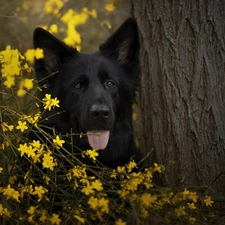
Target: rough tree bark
{"type": "Point", "coordinates": [182, 89]}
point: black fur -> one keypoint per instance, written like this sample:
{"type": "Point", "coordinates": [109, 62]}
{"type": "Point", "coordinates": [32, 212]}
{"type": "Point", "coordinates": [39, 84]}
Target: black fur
{"type": "Point", "coordinates": [96, 90]}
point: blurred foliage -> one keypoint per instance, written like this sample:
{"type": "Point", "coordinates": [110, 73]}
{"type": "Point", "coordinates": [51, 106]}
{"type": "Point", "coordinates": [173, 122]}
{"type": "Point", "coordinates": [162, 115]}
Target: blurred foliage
{"type": "Point", "coordinates": [18, 19]}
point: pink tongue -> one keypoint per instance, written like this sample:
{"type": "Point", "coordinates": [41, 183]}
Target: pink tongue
{"type": "Point", "coordinates": [98, 139]}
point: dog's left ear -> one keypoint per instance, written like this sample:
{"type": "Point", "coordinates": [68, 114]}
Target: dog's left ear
{"type": "Point", "coordinates": [124, 42]}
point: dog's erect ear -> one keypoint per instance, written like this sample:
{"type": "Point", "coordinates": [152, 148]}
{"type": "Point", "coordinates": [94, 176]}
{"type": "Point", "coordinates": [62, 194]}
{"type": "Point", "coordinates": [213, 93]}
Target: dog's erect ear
{"type": "Point", "coordinates": [124, 42]}
{"type": "Point", "coordinates": [55, 52]}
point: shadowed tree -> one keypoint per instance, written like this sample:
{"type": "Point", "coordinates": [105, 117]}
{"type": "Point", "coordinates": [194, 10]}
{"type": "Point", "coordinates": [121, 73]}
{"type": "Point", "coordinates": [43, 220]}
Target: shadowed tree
{"type": "Point", "coordinates": [182, 89]}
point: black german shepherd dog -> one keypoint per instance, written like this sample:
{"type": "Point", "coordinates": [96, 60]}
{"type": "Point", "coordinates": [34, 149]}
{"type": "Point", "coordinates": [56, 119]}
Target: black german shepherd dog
{"type": "Point", "coordinates": [96, 92]}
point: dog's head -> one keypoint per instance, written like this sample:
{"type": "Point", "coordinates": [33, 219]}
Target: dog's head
{"type": "Point", "coordinates": [95, 90]}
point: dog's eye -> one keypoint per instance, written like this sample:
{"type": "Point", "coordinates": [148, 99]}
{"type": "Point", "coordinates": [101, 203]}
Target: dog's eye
{"type": "Point", "coordinates": [78, 85]}
{"type": "Point", "coordinates": [110, 84]}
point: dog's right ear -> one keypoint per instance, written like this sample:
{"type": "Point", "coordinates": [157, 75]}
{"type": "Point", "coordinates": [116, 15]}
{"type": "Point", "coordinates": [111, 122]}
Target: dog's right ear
{"type": "Point", "coordinates": [55, 53]}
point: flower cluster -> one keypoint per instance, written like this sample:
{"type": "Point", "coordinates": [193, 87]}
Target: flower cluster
{"type": "Point", "coordinates": [22, 122]}
{"type": "Point", "coordinates": [13, 64]}
{"type": "Point", "coordinates": [40, 153]}
{"type": "Point", "coordinates": [73, 19]}
{"type": "Point", "coordinates": [53, 6]}
{"type": "Point", "coordinates": [32, 54]}
{"type": "Point", "coordinates": [49, 102]}
{"type": "Point", "coordinates": [11, 193]}
{"type": "Point", "coordinates": [92, 195]}
{"type": "Point", "coordinates": [4, 211]}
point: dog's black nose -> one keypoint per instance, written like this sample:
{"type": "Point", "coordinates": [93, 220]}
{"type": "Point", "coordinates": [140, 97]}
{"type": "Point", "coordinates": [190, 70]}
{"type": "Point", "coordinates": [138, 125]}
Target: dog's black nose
{"type": "Point", "coordinates": [99, 111]}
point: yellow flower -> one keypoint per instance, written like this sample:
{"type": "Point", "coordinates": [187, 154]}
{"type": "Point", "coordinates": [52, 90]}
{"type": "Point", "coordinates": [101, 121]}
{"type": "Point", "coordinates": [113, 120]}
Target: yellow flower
{"type": "Point", "coordinates": [55, 219]}
{"type": "Point", "coordinates": [92, 153]}
{"type": "Point", "coordinates": [67, 17]}
{"type": "Point", "coordinates": [4, 211]}
{"type": "Point", "coordinates": [11, 65]}
{"type": "Point", "coordinates": [180, 211]}
{"type": "Point", "coordinates": [47, 179]}
{"type": "Point", "coordinates": [101, 204]}
{"type": "Point", "coordinates": [131, 165]}
{"type": "Point", "coordinates": [48, 161]}
{"type": "Point", "coordinates": [28, 83]}
{"type": "Point", "coordinates": [43, 217]}
{"type": "Point", "coordinates": [134, 180]}
{"type": "Point", "coordinates": [36, 144]}
{"type": "Point", "coordinates": [58, 143]}
{"type": "Point", "coordinates": [26, 189]}
{"type": "Point", "coordinates": [25, 149]}
{"type": "Point", "coordinates": [208, 201]}
{"type": "Point", "coordinates": [191, 206]}
{"type": "Point", "coordinates": [97, 185]}
{"type": "Point", "coordinates": [1, 169]}
{"type": "Point", "coordinates": [49, 102]}
{"type": "Point", "coordinates": [30, 219]}
{"type": "Point", "coordinates": [123, 193]}
{"type": "Point", "coordinates": [34, 120]}
{"type": "Point", "coordinates": [147, 199]}
{"type": "Point", "coordinates": [6, 127]}
{"type": "Point", "coordinates": [120, 222]}
{"type": "Point", "coordinates": [73, 37]}
{"type": "Point", "coordinates": [93, 13]}
{"type": "Point", "coordinates": [121, 169]}
{"type": "Point", "coordinates": [148, 183]}
{"type": "Point", "coordinates": [185, 193]}
{"type": "Point", "coordinates": [110, 7]}
{"type": "Point", "coordinates": [21, 92]}
{"type": "Point", "coordinates": [22, 126]}
{"type": "Point", "coordinates": [39, 191]}
{"type": "Point", "coordinates": [193, 196]}
{"type": "Point", "coordinates": [93, 202]}
{"type": "Point", "coordinates": [144, 213]}
{"type": "Point", "coordinates": [31, 210]}
{"type": "Point", "coordinates": [55, 102]}
{"type": "Point", "coordinates": [11, 193]}
{"type": "Point", "coordinates": [113, 174]}
{"type": "Point", "coordinates": [87, 190]}
{"type": "Point", "coordinates": [53, 6]}
{"type": "Point", "coordinates": [39, 53]}
{"type": "Point", "coordinates": [80, 171]}
{"type": "Point", "coordinates": [31, 54]}
{"type": "Point", "coordinates": [9, 82]}
{"type": "Point", "coordinates": [157, 168]}
{"type": "Point", "coordinates": [53, 28]}
{"type": "Point", "coordinates": [72, 19]}
{"type": "Point", "coordinates": [104, 204]}
{"type": "Point", "coordinates": [132, 185]}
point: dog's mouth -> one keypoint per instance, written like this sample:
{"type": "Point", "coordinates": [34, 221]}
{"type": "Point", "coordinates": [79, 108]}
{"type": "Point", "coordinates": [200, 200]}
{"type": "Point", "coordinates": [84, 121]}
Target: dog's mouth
{"type": "Point", "coordinates": [98, 139]}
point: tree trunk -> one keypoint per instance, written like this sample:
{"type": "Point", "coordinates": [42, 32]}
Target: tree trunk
{"type": "Point", "coordinates": [182, 89]}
